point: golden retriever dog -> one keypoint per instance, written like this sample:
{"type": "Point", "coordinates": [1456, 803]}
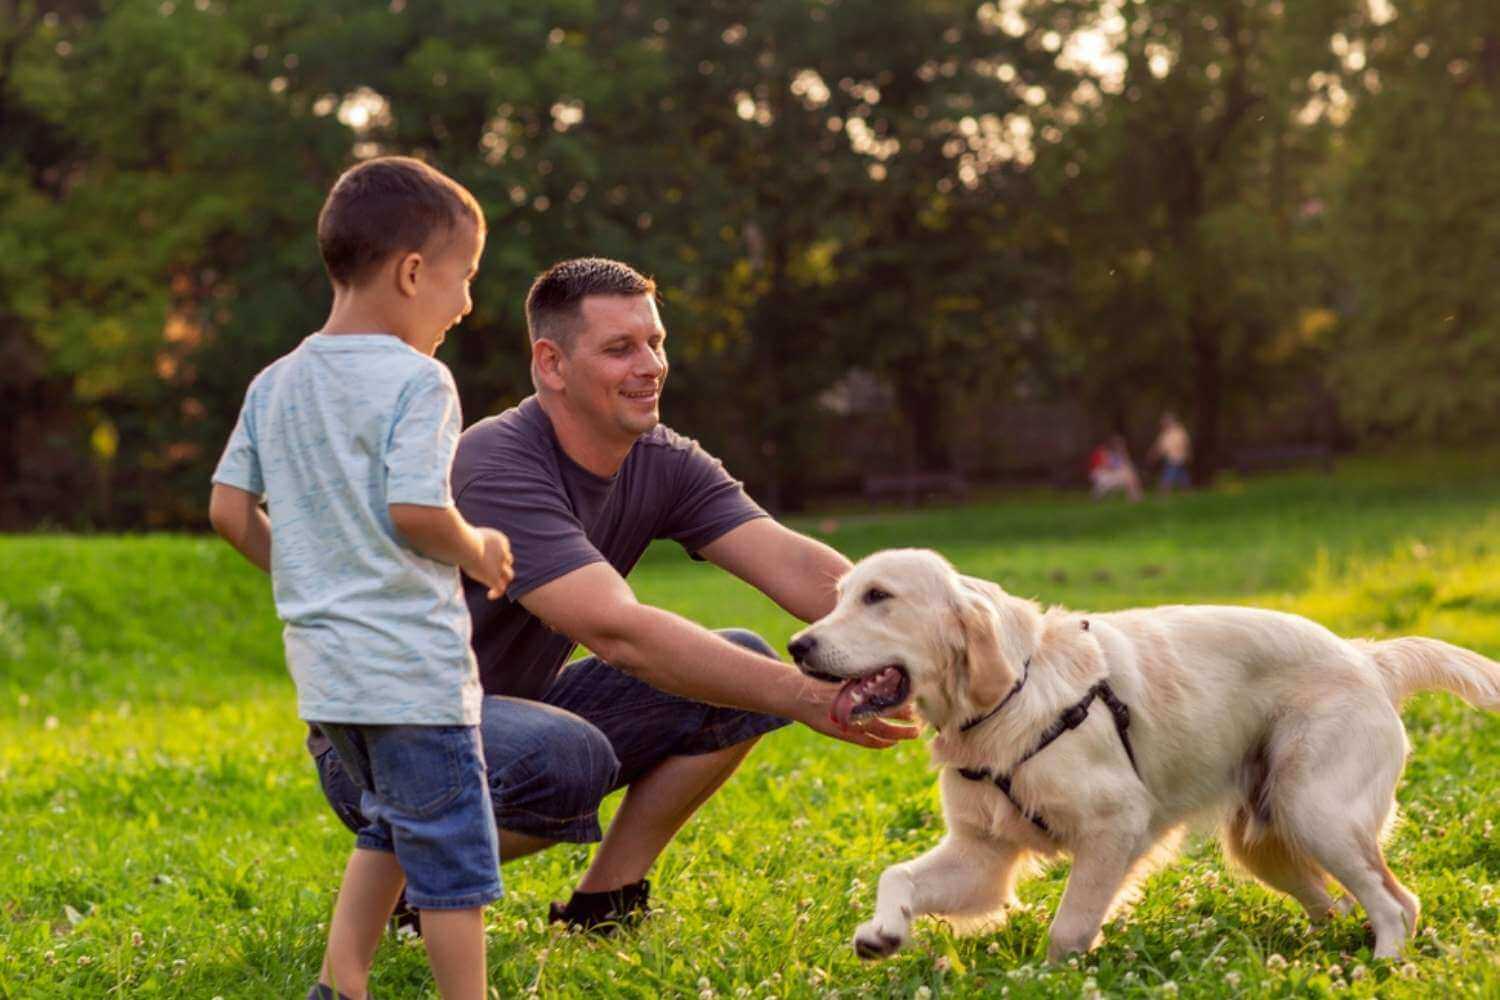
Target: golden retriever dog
{"type": "Point", "coordinates": [1102, 736]}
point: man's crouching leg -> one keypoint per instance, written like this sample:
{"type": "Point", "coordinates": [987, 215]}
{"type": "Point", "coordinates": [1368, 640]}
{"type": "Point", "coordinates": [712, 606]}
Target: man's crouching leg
{"type": "Point", "coordinates": [674, 752]}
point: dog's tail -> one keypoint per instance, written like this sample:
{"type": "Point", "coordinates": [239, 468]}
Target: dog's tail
{"type": "Point", "coordinates": [1414, 664]}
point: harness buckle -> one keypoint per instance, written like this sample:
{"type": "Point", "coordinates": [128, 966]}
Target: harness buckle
{"type": "Point", "coordinates": [1075, 715]}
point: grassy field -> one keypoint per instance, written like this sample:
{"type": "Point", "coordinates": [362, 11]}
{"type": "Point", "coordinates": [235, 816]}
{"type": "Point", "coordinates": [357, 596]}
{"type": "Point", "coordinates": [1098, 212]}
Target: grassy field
{"type": "Point", "coordinates": [161, 832]}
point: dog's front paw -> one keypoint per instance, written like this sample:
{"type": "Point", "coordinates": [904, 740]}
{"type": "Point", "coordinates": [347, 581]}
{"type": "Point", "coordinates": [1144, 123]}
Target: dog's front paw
{"type": "Point", "coordinates": [875, 940]}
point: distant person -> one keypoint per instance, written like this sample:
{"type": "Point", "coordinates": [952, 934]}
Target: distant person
{"type": "Point", "coordinates": [1175, 449]}
{"type": "Point", "coordinates": [582, 477]}
{"type": "Point", "coordinates": [1110, 470]}
{"type": "Point", "coordinates": [350, 438]}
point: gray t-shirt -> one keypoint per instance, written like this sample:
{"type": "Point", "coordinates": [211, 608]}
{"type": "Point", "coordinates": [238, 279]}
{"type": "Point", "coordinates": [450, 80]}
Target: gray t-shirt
{"type": "Point", "coordinates": [510, 473]}
{"type": "Point", "coordinates": [331, 435]}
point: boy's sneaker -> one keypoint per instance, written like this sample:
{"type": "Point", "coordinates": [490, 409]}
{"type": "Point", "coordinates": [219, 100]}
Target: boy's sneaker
{"type": "Point", "coordinates": [405, 922]}
{"type": "Point", "coordinates": [321, 992]}
{"type": "Point", "coordinates": [603, 913]}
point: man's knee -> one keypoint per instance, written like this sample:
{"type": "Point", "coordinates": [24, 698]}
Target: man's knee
{"type": "Point", "coordinates": [749, 640]}
{"type": "Point", "coordinates": [549, 770]}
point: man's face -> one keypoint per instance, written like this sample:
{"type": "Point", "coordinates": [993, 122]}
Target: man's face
{"type": "Point", "coordinates": [443, 284]}
{"type": "Point", "coordinates": [615, 369]}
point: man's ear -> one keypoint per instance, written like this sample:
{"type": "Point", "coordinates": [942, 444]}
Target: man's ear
{"type": "Point", "coordinates": [546, 364]}
{"type": "Point", "coordinates": [408, 268]}
{"type": "Point", "coordinates": [990, 664]}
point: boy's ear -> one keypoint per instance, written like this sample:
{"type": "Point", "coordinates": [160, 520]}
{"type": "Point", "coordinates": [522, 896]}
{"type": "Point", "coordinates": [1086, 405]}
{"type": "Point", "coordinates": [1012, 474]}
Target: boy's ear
{"type": "Point", "coordinates": [408, 268]}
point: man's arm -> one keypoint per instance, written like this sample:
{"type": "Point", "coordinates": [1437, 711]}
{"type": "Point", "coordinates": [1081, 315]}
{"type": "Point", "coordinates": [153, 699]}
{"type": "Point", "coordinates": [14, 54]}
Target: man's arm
{"type": "Point", "coordinates": [797, 572]}
{"type": "Point", "coordinates": [238, 518]}
{"type": "Point", "coordinates": [595, 606]}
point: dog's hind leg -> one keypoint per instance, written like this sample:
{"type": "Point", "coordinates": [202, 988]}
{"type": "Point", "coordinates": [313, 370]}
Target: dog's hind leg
{"type": "Point", "coordinates": [1334, 798]}
{"type": "Point", "coordinates": [960, 877]}
{"type": "Point", "coordinates": [1267, 856]}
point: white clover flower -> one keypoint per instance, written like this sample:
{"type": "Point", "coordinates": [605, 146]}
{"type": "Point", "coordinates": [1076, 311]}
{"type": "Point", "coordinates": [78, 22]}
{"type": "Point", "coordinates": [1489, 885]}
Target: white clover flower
{"type": "Point", "coordinates": [1276, 963]}
{"type": "Point", "coordinates": [1176, 955]}
{"type": "Point", "coordinates": [1358, 972]}
{"type": "Point", "coordinates": [993, 948]}
{"type": "Point", "coordinates": [1232, 980]}
{"type": "Point", "coordinates": [1169, 989]}
{"type": "Point", "coordinates": [941, 964]}
{"type": "Point", "coordinates": [922, 993]}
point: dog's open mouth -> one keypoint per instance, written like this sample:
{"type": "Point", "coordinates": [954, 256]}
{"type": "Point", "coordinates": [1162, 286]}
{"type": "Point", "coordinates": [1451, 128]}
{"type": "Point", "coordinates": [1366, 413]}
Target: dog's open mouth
{"type": "Point", "coordinates": [875, 692]}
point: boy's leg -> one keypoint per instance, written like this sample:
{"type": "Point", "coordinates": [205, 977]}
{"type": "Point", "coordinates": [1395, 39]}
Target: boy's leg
{"type": "Point", "coordinates": [455, 950]}
{"type": "Point", "coordinates": [372, 881]}
{"type": "Point", "coordinates": [432, 793]}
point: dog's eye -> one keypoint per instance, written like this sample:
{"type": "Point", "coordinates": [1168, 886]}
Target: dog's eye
{"type": "Point", "coordinates": [875, 595]}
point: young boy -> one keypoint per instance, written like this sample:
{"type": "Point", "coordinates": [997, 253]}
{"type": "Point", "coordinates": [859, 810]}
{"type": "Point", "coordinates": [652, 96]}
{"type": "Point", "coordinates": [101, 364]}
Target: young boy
{"type": "Point", "coordinates": [349, 438]}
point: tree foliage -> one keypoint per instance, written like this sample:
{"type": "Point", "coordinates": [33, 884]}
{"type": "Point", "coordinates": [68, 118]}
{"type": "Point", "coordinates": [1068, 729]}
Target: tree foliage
{"type": "Point", "coordinates": [1246, 210]}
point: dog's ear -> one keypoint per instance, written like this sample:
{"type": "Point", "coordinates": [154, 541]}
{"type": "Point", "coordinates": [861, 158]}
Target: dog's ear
{"type": "Point", "coordinates": [995, 637]}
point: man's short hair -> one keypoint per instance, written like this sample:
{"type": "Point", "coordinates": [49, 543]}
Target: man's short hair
{"type": "Point", "coordinates": [385, 206]}
{"type": "Point", "coordinates": [553, 304]}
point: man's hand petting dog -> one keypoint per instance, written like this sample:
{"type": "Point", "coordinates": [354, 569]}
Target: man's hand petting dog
{"type": "Point", "coordinates": [876, 732]}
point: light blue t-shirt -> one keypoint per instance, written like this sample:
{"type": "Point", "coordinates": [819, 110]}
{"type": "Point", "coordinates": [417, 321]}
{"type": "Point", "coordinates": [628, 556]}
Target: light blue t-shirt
{"type": "Point", "coordinates": [330, 435]}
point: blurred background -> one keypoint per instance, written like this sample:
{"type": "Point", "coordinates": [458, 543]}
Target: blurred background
{"type": "Point", "coordinates": [905, 246]}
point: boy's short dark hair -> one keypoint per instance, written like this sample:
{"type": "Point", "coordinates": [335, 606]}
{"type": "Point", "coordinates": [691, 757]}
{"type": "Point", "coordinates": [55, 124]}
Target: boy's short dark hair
{"type": "Point", "coordinates": [552, 304]}
{"type": "Point", "coordinates": [385, 206]}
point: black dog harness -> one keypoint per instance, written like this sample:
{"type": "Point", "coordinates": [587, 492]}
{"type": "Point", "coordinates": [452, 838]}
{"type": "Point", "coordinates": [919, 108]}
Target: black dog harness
{"type": "Point", "coordinates": [1071, 718]}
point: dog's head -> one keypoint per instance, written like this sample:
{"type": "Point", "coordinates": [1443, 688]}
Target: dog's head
{"type": "Point", "coordinates": [909, 627]}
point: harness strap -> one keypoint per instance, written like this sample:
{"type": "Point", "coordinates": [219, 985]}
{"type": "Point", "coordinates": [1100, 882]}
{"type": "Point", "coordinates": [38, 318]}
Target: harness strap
{"type": "Point", "coordinates": [1071, 718]}
{"type": "Point", "coordinates": [1015, 690]}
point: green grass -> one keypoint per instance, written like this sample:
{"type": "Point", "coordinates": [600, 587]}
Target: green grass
{"type": "Point", "coordinates": [162, 835]}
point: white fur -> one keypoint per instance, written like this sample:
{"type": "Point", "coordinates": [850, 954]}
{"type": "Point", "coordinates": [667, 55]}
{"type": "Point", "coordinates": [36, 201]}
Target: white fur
{"type": "Point", "coordinates": [1264, 721]}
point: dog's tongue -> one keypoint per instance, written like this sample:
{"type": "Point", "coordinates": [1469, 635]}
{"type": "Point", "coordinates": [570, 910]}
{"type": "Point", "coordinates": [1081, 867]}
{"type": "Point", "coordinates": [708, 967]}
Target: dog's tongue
{"type": "Point", "coordinates": [859, 690]}
{"type": "Point", "coordinates": [844, 703]}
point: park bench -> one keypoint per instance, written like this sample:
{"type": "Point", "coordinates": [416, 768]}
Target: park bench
{"type": "Point", "coordinates": [916, 487]}
{"type": "Point", "coordinates": [1283, 456]}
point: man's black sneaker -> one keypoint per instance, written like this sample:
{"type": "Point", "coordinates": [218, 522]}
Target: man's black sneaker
{"type": "Point", "coordinates": [604, 913]}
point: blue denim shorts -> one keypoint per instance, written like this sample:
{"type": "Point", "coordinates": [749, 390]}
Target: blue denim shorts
{"type": "Point", "coordinates": [596, 729]}
{"type": "Point", "coordinates": [424, 795]}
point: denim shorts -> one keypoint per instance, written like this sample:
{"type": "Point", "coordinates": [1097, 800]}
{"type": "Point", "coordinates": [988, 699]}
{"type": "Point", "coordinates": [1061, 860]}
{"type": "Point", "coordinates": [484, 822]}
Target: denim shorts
{"type": "Point", "coordinates": [424, 795]}
{"type": "Point", "coordinates": [596, 729]}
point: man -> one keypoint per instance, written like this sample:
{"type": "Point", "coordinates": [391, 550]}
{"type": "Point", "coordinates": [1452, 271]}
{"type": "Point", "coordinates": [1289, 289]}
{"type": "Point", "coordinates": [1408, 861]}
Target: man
{"type": "Point", "coordinates": [582, 477]}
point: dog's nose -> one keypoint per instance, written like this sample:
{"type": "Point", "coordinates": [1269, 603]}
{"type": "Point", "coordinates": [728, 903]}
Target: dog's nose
{"type": "Point", "coordinates": [799, 648]}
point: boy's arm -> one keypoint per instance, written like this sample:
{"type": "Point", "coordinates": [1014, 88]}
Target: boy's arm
{"type": "Point", "coordinates": [441, 533]}
{"type": "Point", "coordinates": [238, 518]}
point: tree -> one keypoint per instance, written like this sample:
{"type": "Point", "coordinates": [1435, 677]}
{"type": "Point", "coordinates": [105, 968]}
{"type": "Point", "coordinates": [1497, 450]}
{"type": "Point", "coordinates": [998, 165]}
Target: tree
{"type": "Point", "coordinates": [1417, 231]}
{"type": "Point", "coordinates": [1173, 201]}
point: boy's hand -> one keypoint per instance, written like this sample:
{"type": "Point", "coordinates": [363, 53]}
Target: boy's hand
{"type": "Point", "coordinates": [495, 567]}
